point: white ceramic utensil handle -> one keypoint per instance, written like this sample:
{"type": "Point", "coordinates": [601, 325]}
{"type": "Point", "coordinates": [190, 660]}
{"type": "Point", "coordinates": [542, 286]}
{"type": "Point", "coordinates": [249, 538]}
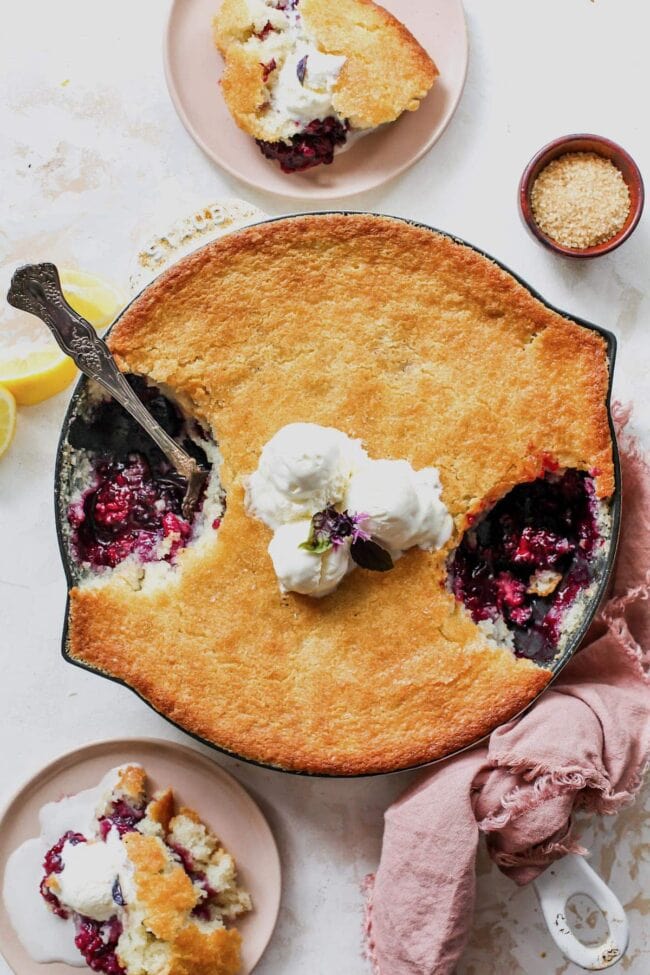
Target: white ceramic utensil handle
{"type": "Point", "coordinates": [562, 880]}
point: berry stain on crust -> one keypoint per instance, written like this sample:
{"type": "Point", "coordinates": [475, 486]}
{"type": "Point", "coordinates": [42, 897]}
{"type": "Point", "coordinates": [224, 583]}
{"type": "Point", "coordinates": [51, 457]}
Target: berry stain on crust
{"type": "Point", "coordinates": [202, 909]}
{"type": "Point", "coordinates": [268, 69]}
{"type": "Point", "coordinates": [529, 558]}
{"type": "Point", "coordinates": [313, 146]}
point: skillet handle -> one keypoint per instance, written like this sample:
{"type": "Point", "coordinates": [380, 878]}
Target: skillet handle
{"type": "Point", "coordinates": [559, 882]}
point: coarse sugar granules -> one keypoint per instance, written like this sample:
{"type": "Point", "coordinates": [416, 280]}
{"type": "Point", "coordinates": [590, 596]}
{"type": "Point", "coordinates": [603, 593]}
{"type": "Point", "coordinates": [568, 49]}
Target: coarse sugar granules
{"type": "Point", "coordinates": [580, 199]}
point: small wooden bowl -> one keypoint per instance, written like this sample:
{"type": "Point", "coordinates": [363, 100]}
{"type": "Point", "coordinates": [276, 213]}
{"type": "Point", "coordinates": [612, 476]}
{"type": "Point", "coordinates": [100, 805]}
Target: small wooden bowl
{"type": "Point", "coordinates": [583, 143]}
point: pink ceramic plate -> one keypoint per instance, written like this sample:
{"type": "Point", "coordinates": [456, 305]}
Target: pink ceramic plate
{"type": "Point", "coordinates": [193, 68]}
{"type": "Point", "coordinates": [200, 783]}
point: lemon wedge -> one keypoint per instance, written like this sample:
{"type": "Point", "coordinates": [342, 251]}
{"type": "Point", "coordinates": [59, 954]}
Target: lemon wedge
{"type": "Point", "coordinates": [92, 298]}
{"type": "Point", "coordinates": [43, 370]}
{"type": "Point", "coordinates": [7, 419]}
{"type": "Point", "coordinates": [37, 375]}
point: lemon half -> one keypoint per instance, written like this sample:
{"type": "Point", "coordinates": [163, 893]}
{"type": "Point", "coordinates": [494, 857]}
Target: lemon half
{"type": "Point", "coordinates": [46, 371]}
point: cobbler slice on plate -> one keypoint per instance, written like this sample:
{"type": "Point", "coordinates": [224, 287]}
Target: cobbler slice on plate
{"type": "Point", "coordinates": [150, 890]}
{"type": "Point", "coordinates": [302, 76]}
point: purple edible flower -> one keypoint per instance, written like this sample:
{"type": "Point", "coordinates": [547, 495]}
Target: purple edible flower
{"type": "Point", "coordinates": [331, 528]}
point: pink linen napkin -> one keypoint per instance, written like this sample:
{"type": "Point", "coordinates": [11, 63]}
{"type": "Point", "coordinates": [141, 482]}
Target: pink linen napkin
{"type": "Point", "coordinates": [584, 745]}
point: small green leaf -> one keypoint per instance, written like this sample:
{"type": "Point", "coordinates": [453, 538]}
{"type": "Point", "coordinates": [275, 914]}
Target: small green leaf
{"type": "Point", "coordinates": [316, 546]}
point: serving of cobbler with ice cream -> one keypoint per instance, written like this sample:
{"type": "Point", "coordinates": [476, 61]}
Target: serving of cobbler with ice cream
{"type": "Point", "coordinates": [127, 884]}
{"type": "Point", "coordinates": [304, 76]}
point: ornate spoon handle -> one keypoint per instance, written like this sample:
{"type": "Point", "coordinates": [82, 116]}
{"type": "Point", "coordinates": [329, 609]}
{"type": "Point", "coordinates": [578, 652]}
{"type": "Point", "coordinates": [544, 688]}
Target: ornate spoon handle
{"type": "Point", "coordinates": [36, 288]}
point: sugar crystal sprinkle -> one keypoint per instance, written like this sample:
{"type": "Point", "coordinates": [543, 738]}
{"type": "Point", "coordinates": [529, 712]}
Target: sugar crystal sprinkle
{"type": "Point", "coordinates": [580, 200]}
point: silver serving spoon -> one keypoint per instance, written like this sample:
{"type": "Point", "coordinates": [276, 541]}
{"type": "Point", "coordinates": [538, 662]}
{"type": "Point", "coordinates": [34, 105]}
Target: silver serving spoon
{"type": "Point", "coordinates": [36, 288]}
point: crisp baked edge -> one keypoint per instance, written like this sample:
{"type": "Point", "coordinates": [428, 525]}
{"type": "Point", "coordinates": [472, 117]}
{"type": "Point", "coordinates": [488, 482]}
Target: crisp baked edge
{"type": "Point", "coordinates": [519, 688]}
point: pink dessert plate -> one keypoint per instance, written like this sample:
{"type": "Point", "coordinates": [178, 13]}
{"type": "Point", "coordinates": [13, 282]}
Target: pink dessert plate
{"type": "Point", "coordinates": [193, 67]}
{"type": "Point", "coordinates": [199, 783]}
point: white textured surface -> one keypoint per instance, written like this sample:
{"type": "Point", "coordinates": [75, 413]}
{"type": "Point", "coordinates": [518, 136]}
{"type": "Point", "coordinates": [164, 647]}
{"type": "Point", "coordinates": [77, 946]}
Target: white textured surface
{"type": "Point", "coordinates": [90, 170]}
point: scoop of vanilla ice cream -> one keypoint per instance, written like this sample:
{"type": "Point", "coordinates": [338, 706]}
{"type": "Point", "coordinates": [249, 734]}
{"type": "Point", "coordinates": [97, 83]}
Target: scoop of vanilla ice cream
{"type": "Point", "coordinates": [435, 521]}
{"type": "Point", "coordinates": [321, 70]}
{"type": "Point", "coordinates": [89, 873]}
{"type": "Point", "coordinates": [302, 469]}
{"type": "Point", "coordinates": [298, 570]}
{"type": "Point", "coordinates": [403, 506]}
{"type": "Point", "coordinates": [312, 98]}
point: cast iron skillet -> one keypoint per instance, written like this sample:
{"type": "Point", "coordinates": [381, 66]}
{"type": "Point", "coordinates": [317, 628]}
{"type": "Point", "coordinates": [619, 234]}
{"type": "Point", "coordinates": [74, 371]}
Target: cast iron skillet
{"type": "Point", "coordinates": [61, 505]}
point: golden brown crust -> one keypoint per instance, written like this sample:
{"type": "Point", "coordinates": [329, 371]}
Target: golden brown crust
{"type": "Point", "coordinates": [232, 25]}
{"type": "Point", "coordinates": [165, 893]}
{"type": "Point", "coordinates": [425, 350]}
{"type": "Point", "coordinates": [167, 897]}
{"type": "Point", "coordinates": [216, 953]}
{"type": "Point", "coordinates": [386, 71]}
{"type": "Point", "coordinates": [161, 809]}
{"type": "Point", "coordinates": [244, 90]}
{"type": "Point", "coordinates": [189, 814]}
{"type": "Point", "coordinates": [132, 780]}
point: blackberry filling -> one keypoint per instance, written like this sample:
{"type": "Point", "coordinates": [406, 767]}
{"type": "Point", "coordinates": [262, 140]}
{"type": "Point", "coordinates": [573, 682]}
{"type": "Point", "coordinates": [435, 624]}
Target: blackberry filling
{"type": "Point", "coordinates": [202, 910]}
{"type": "Point", "coordinates": [97, 941]}
{"type": "Point", "coordinates": [122, 816]}
{"type": "Point", "coordinates": [131, 508]}
{"type": "Point", "coordinates": [54, 864]}
{"type": "Point", "coordinates": [313, 146]}
{"type": "Point", "coordinates": [529, 558]}
{"type": "Point", "coordinates": [134, 505]}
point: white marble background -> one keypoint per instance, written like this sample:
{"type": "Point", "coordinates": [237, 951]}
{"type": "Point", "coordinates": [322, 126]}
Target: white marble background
{"type": "Point", "coordinates": [94, 160]}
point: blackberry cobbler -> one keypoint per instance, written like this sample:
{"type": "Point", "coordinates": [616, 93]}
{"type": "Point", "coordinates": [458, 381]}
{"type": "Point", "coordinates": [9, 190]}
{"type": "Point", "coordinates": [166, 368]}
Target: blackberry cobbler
{"type": "Point", "coordinates": [128, 506]}
{"type": "Point", "coordinates": [524, 567]}
{"type": "Point", "coordinates": [148, 889]}
{"type": "Point", "coordinates": [300, 75]}
{"type": "Point", "coordinates": [421, 497]}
